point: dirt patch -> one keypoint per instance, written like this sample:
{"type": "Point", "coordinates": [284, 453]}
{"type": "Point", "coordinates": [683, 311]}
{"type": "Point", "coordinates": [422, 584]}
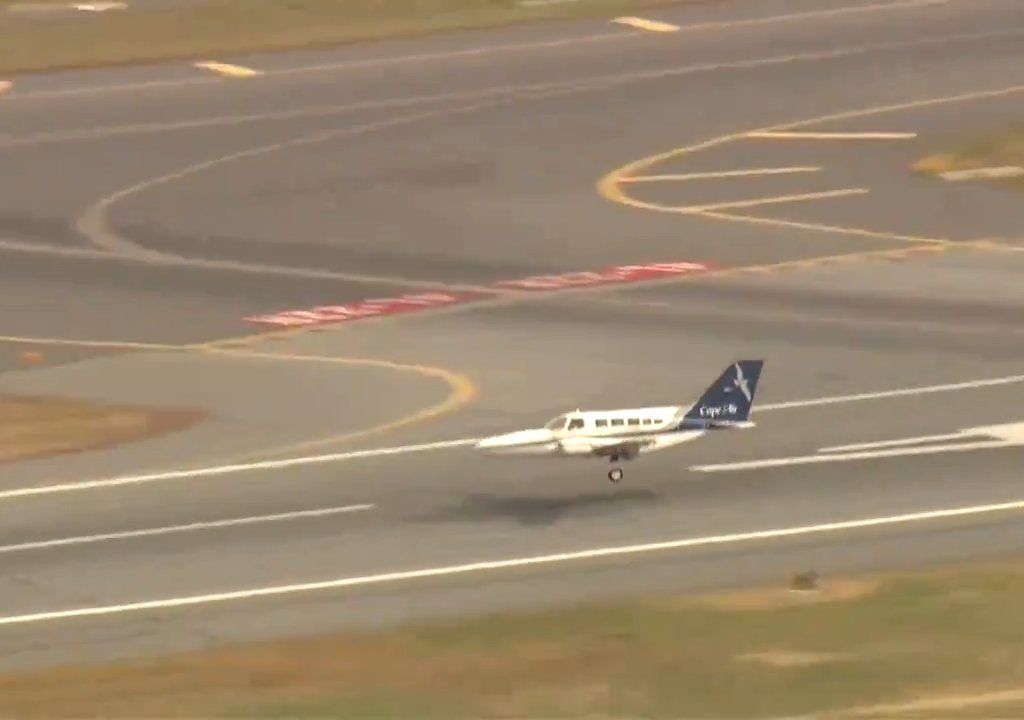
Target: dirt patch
{"type": "Point", "coordinates": [996, 157]}
{"type": "Point", "coordinates": [38, 427]}
{"type": "Point", "coordinates": [776, 598]}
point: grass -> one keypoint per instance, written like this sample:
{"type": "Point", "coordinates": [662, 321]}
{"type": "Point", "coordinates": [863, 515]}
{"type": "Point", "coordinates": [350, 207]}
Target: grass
{"type": "Point", "coordinates": [204, 28]}
{"type": "Point", "coordinates": [998, 149]}
{"type": "Point", "coordinates": [755, 654]}
{"type": "Point", "coordinates": [37, 427]}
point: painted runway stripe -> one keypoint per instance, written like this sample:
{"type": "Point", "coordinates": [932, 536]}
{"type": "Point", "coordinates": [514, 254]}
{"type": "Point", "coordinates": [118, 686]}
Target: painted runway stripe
{"type": "Point", "coordinates": [227, 69]}
{"type": "Point", "coordinates": [849, 457]}
{"type": "Point", "coordinates": [227, 469]}
{"type": "Point", "coordinates": [648, 25]}
{"type": "Point", "coordinates": [191, 527]}
{"type": "Point", "coordinates": [494, 565]}
{"type": "Point", "coordinates": [998, 436]}
{"type": "Point", "coordinates": [462, 442]}
{"type": "Point", "coordinates": [784, 135]}
{"type": "Point", "coordinates": [986, 173]}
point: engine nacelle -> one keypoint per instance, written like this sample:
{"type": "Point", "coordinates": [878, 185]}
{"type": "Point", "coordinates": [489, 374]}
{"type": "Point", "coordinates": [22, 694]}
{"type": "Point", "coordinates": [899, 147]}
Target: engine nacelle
{"type": "Point", "coordinates": [576, 447]}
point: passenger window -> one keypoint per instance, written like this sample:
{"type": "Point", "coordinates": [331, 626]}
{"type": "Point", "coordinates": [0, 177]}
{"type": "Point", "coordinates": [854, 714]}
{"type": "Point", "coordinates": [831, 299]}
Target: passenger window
{"type": "Point", "coordinates": [616, 422]}
{"type": "Point", "coordinates": [575, 424]}
{"type": "Point", "coordinates": [634, 421]}
{"type": "Point", "coordinates": [647, 421]}
{"type": "Point", "coordinates": [601, 423]}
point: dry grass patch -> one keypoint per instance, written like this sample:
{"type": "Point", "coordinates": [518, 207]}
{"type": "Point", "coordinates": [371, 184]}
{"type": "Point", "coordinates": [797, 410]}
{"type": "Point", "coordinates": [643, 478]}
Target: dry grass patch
{"type": "Point", "coordinates": [1002, 149]}
{"type": "Point", "coordinates": [206, 28]}
{"type": "Point", "coordinates": [895, 640]}
{"type": "Point", "coordinates": [36, 427]}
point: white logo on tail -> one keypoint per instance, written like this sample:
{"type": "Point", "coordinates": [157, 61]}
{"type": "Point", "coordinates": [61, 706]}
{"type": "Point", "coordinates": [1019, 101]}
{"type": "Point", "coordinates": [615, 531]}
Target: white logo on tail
{"type": "Point", "coordinates": [741, 383]}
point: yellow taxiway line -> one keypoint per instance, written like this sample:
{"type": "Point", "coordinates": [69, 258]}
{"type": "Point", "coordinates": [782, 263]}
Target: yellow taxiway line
{"type": "Point", "coordinates": [752, 172]}
{"type": "Point", "coordinates": [755, 202]}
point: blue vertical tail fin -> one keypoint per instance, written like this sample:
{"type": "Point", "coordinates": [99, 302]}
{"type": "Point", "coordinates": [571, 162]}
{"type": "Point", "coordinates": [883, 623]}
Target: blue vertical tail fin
{"type": "Point", "coordinates": [728, 400]}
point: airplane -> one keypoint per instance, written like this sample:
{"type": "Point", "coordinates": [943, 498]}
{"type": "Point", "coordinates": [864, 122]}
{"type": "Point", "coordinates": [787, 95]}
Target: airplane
{"type": "Point", "coordinates": [625, 433]}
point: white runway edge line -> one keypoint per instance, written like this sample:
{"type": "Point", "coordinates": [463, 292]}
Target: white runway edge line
{"type": "Point", "coordinates": [381, 578]}
{"type": "Point", "coordinates": [190, 527]}
{"type": "Point", "coordinates": [405, 449]}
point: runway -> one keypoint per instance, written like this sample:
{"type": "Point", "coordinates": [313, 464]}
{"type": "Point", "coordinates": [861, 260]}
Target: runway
{"type": "Point", "coordinates": [160, 211]}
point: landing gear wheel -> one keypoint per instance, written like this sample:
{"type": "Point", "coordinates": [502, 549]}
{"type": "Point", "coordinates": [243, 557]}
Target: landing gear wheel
{"type": "Point", "coordinates": [615, 475]}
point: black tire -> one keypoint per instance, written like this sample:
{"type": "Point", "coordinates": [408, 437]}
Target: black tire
{"type": "Point", "coordinates": [615, 475]}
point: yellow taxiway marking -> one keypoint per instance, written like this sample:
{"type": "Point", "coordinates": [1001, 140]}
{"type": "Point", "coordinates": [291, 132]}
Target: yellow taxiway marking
{"type": "Point", "coordinates": [752, 172]}
{"type": "Point", "coordinates": [112, 344]}
{"type": "Point", "coordinates": [821, 227]}
{"type": "Point", "coordinates": [226, 69]}
{"type": "Point", "coordinates": [649, 25]}
{"type": "Point", "coordinates": [462, 391]}
{"type": "Point", "coordinates": [610, 186]}
{"type": "Point", "coordinates": [772, 200]}
{"type": "Point", "coordinates": [782, 135]}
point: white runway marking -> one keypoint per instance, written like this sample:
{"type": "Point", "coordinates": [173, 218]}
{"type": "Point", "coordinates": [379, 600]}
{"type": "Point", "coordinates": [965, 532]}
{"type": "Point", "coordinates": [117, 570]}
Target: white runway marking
{"type": "Point", "coordinates": [191, 527]}
{"type": "Point", "coordinates": [406, 449]}
{"type": "Point", "coordinates": [949, 387]}
{"type": "Point", "coordinates": [1004, 171]}
{"type": "Point", "coordinates": [783, 135]}
{"type": "Point", "coordinates": [1000, 436]}
{"type": "Point", "coordinates": [228, 69]}
{"type": "Point", "coordinates": [226, 469]}
{"type": "Point", "coordinates": [847, 457]}
{"type": "Point", "coordinates": [649, 25]}
{"type": "Point", "coordinates": [477, 567]}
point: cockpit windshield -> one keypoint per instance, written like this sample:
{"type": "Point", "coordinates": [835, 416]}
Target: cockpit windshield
{"type": "Point", "coordinates": [557, 423]}
{"type": "Point", "coordinates": [565, 422]}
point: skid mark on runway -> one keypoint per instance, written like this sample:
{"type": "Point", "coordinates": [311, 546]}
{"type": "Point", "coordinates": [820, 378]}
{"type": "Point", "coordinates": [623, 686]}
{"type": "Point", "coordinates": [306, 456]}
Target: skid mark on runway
{"type": "Point", "coordinates": [267, 465]}
{"type": "Point", "coordinates": [521, 562]}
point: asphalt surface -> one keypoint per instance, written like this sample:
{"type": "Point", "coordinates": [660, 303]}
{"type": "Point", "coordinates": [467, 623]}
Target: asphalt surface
{"type": "Point", "coordinates": [163, 206]}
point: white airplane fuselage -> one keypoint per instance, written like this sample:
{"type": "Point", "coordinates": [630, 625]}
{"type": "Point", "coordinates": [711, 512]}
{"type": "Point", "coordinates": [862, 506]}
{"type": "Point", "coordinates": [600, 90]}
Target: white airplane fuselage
{"type": "Point", "coordinates": [585, 433]}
